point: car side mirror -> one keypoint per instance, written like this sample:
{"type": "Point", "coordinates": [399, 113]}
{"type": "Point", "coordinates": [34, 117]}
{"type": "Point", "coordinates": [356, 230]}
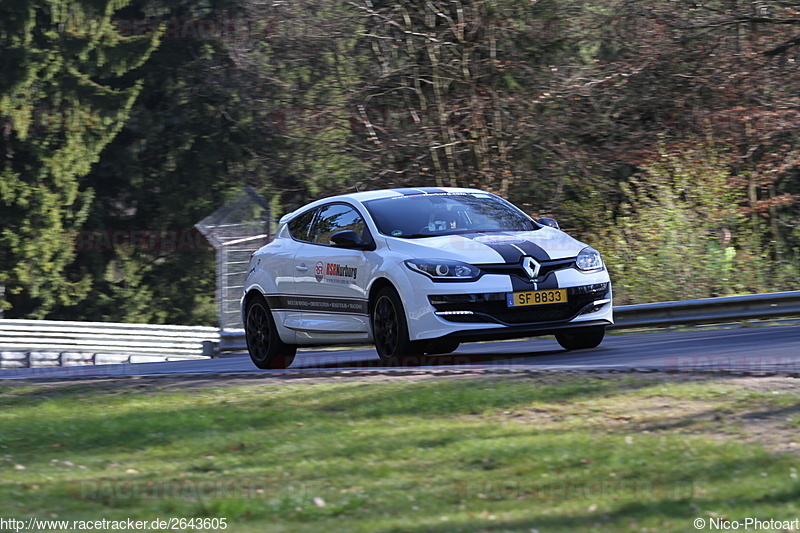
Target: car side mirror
{"type": "Point", "coordinates": [547, 221]}
{"type": "Point", "coordinates": [348, 239]}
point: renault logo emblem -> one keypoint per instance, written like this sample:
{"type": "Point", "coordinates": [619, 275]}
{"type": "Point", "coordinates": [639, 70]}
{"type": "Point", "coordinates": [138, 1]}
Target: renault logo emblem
{"type": "Point", "coordinates": [531, 267]}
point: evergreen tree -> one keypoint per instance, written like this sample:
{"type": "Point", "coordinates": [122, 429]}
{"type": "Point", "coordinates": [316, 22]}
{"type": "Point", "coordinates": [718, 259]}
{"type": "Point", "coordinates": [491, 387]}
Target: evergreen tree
{"type": "Point", "coordinates": [61, 103]}
{"type": "Point", "coordinates": [171, 165]}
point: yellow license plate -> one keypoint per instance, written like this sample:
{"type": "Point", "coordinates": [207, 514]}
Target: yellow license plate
{"type": "Point", "coordinates": [519, 299]}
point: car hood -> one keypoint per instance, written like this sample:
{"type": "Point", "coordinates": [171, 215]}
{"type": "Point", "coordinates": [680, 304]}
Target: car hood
{"type": "Point", "coordinates": [544, 244]}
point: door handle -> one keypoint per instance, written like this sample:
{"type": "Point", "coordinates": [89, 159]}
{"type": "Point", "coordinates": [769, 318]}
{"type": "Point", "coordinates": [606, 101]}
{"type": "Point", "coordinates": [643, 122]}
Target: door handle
{"type": "Point", "coordinates": [301, 268]}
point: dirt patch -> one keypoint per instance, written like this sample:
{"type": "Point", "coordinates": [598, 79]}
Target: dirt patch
{"type": "Point", "coordinates": [750, 418]}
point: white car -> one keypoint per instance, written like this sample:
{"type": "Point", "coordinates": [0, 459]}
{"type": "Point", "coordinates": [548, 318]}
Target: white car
{"type": "Point", "coordinates": [418, 271]}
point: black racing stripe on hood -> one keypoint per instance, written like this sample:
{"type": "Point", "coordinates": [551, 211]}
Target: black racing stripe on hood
{"type": "Point", "coordinates": [509, 254]}
{"type": "Point", "coordinates": [512, 253]}
{"type": "Point", "coordinates": [534, 250]}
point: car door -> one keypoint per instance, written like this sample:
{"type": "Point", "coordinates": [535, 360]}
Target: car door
{"type": "Point", "coordinates": [330, 281]}
{"type": "Point", "coordinates": [282, 269]}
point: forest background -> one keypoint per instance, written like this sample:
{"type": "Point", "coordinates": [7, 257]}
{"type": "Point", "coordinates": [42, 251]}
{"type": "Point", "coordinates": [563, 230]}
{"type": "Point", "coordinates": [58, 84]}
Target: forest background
{"type": "Point", "coordinates": [664, 132]}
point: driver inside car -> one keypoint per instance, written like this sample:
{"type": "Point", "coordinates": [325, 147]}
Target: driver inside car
{"type": "Point", "coordinates": [443, 220]}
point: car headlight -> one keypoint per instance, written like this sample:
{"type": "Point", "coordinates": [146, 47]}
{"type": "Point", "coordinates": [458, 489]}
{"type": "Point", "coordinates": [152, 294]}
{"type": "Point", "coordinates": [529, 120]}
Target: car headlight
{"type": "Point", "coordinates": [589, 259]}
{"type": "Point", "coordinates": [444, 269]}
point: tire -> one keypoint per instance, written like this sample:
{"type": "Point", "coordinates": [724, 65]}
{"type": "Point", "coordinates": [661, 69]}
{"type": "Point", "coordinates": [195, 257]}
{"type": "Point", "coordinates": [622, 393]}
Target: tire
{"type": "Point", "coordinates": [266, 349]}
{"type": "Point", "coordinates": [390, 329]}
{"type": "Point", "coordinates": [581, 338]}
{"type": "Point", "coordinates": [441, 346]}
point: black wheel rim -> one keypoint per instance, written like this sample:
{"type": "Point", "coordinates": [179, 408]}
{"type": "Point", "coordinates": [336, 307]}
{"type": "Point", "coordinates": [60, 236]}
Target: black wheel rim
{"type": "Point", "coordinates": [258, 332]}
{"type": "Point", "coordinates": [385, 326]}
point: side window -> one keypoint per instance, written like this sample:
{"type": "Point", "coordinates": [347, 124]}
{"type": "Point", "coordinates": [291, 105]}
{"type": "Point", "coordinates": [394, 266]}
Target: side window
{"type": "Point", "coordinates": [337, 217]}
{"type": "Point", "coordinates": [300, 227]}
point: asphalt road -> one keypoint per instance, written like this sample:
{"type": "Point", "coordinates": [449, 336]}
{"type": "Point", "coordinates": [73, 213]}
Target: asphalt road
{"type": "Point", "coordinates": [755, 349]}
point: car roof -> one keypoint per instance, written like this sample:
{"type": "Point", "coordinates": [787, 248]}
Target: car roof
{"type": "Point", "coordinates": [366, 196]}
{"type": "Point", "coordinates": [407, 191]}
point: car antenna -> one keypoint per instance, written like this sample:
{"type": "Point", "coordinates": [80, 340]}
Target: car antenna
{"type": "Point", "coordinates": [355, 183]}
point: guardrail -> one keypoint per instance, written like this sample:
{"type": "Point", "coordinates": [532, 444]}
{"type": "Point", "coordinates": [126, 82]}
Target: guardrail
{"type": "Point", "coordinates": [27, 343]}
{"type": "Point", "coordinates": [45, 343]}
{"type": "Point", "coordinates": [707, 310]}
{"type": "Point", "coordinates": [232, 341]}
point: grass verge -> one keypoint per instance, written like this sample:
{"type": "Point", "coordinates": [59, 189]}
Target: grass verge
{"type": "Point", "coordinates": [546, 453]}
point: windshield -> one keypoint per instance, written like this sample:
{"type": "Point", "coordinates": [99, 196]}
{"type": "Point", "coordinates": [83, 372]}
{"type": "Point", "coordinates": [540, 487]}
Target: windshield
{"type": "Point", "coordinates": [426, 215]}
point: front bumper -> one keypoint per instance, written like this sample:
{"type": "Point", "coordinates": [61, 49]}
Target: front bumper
{"type": "Point", "coordinates": [492, 307]}
{"type": "Point", "coordinates": [479, 310]}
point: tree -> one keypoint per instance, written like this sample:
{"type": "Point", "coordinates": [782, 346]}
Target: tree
{"type": "Point", "coordinates": [61, 103]}
{"type": "Point", "coordinates": [719, 72]}
{"type": "Point", "coordinates": [454, 99]}
{"type": "Point", "coordinates": [673, 239]}
{"type": "Point", "coordinates": [296, 81]}
{"type": "Point", "coordinates": [172, 163]}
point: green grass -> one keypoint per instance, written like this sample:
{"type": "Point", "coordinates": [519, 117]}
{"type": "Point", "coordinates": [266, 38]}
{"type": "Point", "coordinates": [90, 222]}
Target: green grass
{"type": "Point", "coordinates": [549, 453]}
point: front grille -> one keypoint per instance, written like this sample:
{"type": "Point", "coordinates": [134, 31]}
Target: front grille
{"type": "Point", "coordinates": [515, 269]}
{"type": "Point", "coordinates": [492, 307]}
